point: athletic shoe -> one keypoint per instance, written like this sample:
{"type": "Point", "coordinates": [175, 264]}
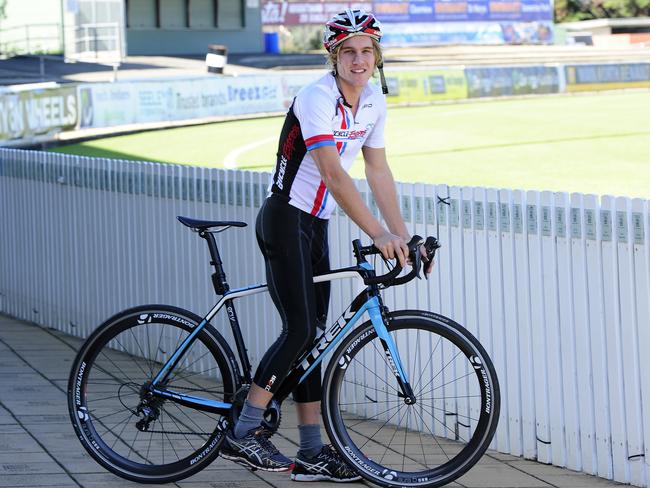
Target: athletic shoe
{"type": "Point", "coordinates": [327, 465]}
{"type": "Point", "coordinates": [255, 451]}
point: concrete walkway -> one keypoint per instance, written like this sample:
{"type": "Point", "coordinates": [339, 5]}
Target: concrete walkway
{"type": "Point", "coordinates": [38, 446]}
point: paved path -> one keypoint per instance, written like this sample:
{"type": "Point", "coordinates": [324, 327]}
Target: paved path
{"type": "Point", "coordinates": [38, 446]}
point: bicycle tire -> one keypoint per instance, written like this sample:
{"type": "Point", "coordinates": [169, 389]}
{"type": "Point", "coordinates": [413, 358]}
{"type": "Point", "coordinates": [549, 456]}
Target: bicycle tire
{"type": "Point", "coordinates": [120, 356]}
{"type": "Point", "coordinates": [455, 415]}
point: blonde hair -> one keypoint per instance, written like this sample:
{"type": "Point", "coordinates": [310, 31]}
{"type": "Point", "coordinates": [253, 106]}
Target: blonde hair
{"type": "Point", "coordinates": [332, 56]}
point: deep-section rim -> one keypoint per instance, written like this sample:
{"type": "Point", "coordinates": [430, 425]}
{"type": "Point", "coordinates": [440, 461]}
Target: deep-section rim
{"type": "Point", "coordinates": [486, 427]}
{"type": "Point", "coordinates": [103, 454]}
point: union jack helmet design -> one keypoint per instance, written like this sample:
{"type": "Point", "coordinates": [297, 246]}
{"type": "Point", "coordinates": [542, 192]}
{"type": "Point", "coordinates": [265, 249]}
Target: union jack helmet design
{"type": "Point", "coordinates": [350, 23]}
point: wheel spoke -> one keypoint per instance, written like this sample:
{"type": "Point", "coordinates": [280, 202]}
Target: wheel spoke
{"type": "Point", "coordinates": [115, 401]}
{"type": "Point", "coordinates": [427, 439]}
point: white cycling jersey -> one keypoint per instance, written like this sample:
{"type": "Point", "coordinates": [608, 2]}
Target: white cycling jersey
{"type": "Point", "coordinates": [319, 116]}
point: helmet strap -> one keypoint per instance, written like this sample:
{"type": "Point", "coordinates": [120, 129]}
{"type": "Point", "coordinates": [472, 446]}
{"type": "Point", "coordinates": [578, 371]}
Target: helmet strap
{"type": "Point", "coordinates": [382, 78]}
{"type": "Point", "coordinates": [345, 102]}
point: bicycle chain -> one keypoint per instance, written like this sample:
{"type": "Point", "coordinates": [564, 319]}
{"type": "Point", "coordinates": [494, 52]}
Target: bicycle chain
{"type": "Point", "coordinates": [178, 433]}
{"type": "Point", "coordinates": [219, 427]}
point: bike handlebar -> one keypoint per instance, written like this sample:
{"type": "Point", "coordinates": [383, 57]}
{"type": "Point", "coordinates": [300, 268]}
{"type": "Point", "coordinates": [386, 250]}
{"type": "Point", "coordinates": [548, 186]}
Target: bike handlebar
{"type": "Point", "coordinates": [390, 279]}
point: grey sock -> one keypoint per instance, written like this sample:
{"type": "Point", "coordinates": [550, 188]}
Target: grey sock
{"type": "Point", "coordinates": [310, 441]}
{"type": "Point", "coordinates": [249, 418]}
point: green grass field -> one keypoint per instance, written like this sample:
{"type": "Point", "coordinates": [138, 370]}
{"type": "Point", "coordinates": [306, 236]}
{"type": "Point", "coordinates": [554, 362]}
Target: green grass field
{"type": "Point", "coordinates": [593, 143]}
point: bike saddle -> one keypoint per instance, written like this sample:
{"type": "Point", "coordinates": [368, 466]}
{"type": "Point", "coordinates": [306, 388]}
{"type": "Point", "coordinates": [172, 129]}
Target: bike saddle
{"type": "Point", "coordinates": [202, 225]}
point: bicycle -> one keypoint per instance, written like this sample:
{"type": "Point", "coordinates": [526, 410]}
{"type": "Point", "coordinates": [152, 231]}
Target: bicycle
{"type": "Point", "coordinates": [410, 398]}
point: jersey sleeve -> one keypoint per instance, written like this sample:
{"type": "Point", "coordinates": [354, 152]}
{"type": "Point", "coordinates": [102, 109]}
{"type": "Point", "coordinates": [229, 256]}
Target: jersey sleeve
{"type": "Point", "coordinates": [376, 137]}
{"type": "Point", "coordinates": [314, 110]}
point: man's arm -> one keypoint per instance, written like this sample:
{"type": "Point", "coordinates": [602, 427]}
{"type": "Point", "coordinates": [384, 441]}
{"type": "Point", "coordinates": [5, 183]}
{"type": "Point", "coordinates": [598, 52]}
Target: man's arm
{"type": "Point", "coordinates": [381, 181]}
{"type": "Point", "coordinates": [341, 186]}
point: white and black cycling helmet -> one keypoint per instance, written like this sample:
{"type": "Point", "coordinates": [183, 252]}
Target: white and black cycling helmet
{"type": "Point", "coordinates": [350, 23]}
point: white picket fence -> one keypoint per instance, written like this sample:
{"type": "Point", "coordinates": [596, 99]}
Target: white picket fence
{"type": "Point", "coordinates": [556, 286]}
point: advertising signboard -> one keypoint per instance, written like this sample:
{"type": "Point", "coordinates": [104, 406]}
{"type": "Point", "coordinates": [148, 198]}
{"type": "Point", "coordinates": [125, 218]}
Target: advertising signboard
{"type": "Point", "coordinates": [289, 12]}
{"type": "Point", "coordinates": [425, 86]}
{"type": "Point", "coordinates": [28, 113]}
{"type": "Point", "coordinates": [589, 77]}
{"type": "Point", "coordinates": [512, 80]}
{"type": "Point", "coordinates": [109, 104]}
{"type": "Point", "coordinates": [425, 22]}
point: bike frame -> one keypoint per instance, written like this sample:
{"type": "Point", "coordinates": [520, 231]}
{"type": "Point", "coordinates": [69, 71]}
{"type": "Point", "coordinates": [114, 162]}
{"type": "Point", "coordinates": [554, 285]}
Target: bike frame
{"type": "Point", "coordinates": [368, 301]}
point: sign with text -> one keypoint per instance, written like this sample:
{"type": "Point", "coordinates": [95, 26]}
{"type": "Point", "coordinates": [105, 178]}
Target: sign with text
{"type": "Point", "coordinates": [587, 77]}
{"type": "Point", "coordinates": [109, 104]}
{"type": "Point", "coordinates": [316, 12]}
{"type": "Point", "coordinates": [24, 114]}
{"type": "Point", "coordinates": [515, 80]}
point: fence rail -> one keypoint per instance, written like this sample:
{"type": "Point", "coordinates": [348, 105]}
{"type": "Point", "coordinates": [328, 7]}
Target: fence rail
{"type": "Point", "coordinates": [555, 285]}
{"type": "Point", "coordinates": [31, 39]}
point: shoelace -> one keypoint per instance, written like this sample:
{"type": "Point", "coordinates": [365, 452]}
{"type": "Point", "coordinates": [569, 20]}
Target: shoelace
{"type": "Point", "coordinates": [331, 454]}
{"type": "Point", "coordinates": [265, 443]}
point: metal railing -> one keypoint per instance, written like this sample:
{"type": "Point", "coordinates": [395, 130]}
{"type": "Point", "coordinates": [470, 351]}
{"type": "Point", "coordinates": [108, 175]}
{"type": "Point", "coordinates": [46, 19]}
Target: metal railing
{"type": "Point", "coordinates": [101, 42]}
{"type": "Point", "coordinates": [46, 38]}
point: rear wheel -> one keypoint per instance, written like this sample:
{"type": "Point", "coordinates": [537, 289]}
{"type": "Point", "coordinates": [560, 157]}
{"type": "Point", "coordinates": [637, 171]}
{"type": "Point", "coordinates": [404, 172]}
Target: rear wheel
{"type": "Point", "coordinates": [426, 444]}
{"type": "Point", "coordinates": [134, 435]}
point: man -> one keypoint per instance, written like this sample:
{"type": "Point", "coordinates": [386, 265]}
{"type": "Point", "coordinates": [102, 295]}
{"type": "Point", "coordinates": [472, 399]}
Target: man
{"type": "Point", "coordinates": [329, 122]}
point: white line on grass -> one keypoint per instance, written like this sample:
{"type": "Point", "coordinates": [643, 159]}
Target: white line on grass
{"type": "Point", "coordinates": [230, 161]}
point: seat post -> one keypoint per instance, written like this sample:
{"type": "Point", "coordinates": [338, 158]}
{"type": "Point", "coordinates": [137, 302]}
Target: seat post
{"type": "Point", "coordinates": [221, 287]}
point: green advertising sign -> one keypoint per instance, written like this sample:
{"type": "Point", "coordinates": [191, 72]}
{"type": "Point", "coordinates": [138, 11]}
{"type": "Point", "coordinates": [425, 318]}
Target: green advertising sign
{"type": "Point", "coordinates": [426, 85]}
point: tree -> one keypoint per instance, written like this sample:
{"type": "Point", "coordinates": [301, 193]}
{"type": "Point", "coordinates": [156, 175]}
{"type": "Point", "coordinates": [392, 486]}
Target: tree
{"type": "Point", "coordinates": [628, 8]}
{"type": "Point", "coordinates": [571, 10]}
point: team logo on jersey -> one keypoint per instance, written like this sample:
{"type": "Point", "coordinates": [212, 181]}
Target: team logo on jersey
{"type": "Point", "coordinates": [350, 135]}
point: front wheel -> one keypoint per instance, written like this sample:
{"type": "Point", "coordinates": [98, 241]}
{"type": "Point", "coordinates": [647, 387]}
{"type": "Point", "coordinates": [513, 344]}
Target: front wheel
{"type": "Point", "coordinates": [425, 444]}
{"type": "Point", "coordinates": [136, 436]}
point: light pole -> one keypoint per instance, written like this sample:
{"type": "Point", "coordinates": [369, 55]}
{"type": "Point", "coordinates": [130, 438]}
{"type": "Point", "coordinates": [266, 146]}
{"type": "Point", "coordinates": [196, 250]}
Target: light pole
{"type": "Point", "coordinates": [62, 28]}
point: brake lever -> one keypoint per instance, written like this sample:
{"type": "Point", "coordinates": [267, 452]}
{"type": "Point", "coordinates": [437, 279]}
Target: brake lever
{"type": "Point", "coordinates": [414, 248]}
{"type": "Point", "coordinates": [418, 261]}
{"type": "Point", "coordinates": [430, 245]}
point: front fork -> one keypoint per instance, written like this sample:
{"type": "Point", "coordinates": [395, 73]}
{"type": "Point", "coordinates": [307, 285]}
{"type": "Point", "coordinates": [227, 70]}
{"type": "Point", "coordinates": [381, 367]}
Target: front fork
{"type": "Point", "coordinates": [380, 320]}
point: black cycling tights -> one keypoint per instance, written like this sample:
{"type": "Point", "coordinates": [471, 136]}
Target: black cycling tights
{"type": "Point", "coordinates": [295, 248]}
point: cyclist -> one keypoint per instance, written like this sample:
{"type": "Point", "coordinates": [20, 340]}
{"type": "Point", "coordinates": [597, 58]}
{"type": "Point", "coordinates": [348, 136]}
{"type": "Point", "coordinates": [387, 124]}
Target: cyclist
{"type": "Point", "coordinates": [329, 122]}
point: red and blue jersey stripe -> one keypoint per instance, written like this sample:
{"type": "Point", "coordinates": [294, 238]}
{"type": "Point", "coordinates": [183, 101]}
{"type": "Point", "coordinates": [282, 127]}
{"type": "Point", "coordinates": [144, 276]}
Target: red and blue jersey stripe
{"type": "Point", "coordinates": [319, 140]}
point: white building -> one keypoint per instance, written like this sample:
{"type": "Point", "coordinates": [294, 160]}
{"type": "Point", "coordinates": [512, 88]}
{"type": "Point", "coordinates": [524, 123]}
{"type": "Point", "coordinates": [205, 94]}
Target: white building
{"type": "Point", "coordinates": [104, 28]}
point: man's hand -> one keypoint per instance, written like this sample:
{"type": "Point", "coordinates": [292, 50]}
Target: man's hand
{"type": "Point", "coordinates": [392, 247]}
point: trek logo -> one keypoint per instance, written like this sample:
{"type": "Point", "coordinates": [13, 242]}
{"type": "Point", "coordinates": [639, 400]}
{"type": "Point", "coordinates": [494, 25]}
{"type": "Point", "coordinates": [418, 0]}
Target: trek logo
{"type": "Point", "coordinates": [389, 358]}
{"type": "Point", "coordinates": [327, 338]}
{"type": "Point", "coordinates": [350, 135]}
